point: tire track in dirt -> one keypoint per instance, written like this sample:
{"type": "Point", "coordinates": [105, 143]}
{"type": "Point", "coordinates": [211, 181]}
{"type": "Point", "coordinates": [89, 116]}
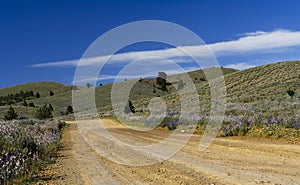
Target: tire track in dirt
{"type": "Point", "coordinates": [226, 161]}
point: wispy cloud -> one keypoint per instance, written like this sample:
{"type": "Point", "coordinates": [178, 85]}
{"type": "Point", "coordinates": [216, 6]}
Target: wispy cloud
{"type": "Point", "coordinates": [258, 41]}
{"type": "Point", "coordinates": [240, 66]}
{"type": "Point", "coordinates": [256, 33]}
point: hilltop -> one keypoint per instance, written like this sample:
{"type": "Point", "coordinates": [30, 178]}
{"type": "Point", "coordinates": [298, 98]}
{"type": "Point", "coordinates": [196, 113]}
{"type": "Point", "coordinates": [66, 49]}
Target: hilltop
{"type": "Point", "coordinates": [60, 100]}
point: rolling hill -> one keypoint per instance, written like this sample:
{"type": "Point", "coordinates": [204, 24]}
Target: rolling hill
{"type": "Point", "coordinates": [262, 83]}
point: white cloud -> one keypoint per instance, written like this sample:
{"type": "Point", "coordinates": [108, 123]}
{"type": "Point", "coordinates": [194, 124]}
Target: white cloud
{"type": "Point", "coordinates": [256, 33]}
{"type": "Point", "coordinates": [58, 63]}
{"type": "Point", "coordinates": [240, 66]}
{"type": "Point", "coordinates": [258, 41]}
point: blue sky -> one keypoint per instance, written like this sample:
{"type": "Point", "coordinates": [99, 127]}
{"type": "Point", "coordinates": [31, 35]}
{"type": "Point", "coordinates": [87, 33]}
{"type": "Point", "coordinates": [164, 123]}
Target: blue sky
{"type": "Point", "coordinates": [43, 40]}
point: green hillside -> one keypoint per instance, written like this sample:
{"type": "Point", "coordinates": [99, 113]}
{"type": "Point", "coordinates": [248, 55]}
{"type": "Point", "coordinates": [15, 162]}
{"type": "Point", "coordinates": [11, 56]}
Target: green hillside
{"type": "Point", "coordinates": [263, 83]}
{"type": "Point", "coordinates": [145, 89]}
{"type": "Point", "coordinates": [60, 100]}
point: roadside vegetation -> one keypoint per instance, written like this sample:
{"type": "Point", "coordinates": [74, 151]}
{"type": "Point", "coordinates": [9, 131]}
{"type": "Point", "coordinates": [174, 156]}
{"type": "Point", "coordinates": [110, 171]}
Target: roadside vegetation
{"type": "Point", "coordinates": [27, 142]}
{"type": "Point", "coordinates": [25, 147]}
{"type": "Point", "coordinates": [261, 102]}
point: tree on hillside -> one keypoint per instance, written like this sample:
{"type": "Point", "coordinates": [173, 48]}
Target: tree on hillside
{"type": "Point", "coordinates": [129, 108]}
{"type": "Point", "coordinates": [37, 95]}
{"type": "Point", "coordinates": [161, 80]}
{"type": "Point", "coordinates": [44, 112]}
{"type": "Point", "coordinates": [11, 114]}
{"type": "Point", "coordinates": [291, 93]}
{"type": "Point", "coordinates": [88, 85]}
{"type": "Point", "coordinates": [24, 103]}
{"type": "Point", "coordinates": [69, 109]}
{"type": "Point", "coordinates": [31, 104]}
{"type": "Point", "coordinates": [51, 93]}
{"type": "Point", "coordinates": [164, 85]}
{"type": "Point", "coordinates": [31, 93]}
{"type": "Point", "coordinates": [51, 107]}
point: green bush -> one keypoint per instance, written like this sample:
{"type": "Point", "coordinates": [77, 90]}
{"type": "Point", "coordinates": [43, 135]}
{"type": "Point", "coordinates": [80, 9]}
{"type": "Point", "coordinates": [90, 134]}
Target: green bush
{"type": "Point", "coordinates": [290, 92]}
{"type": "Point", "coordinates": [11, 114]}
{"type": "Point", "coordinates": [44, 112]}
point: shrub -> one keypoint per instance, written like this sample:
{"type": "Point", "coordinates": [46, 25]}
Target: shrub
{"type": "Point", "coordinates": [11, 114]}
{"type": "Point", "coordinates": [129, 108]}
{"type": "Point", "coordinates": [88, 85]}
{"type": "Point", "coordinates": [290, 92]}
{"type": "Point", "coordinates": [51, 107]}
{"type": "Point", "coordinates": [25, 103]}
{"type": "Point", "coordinates": [37, 95]}
{"type": "Point", "coordinates": [69, 110]}
{"type": "Point", "coordinates": [51, 93]}
{"type": "Point", "coordinates": [31, 104]}
{"type": "Point", "coordinates": [61, 125]}
{"type": "Point", "coordinates": [172, 125]}
{"type": "Point", "coordinates": [44, 112]}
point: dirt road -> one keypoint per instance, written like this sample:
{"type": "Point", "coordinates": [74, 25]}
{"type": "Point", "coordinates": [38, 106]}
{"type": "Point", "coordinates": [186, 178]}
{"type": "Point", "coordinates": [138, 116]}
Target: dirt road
{"type": "Point", "coordinates": [226, 161]}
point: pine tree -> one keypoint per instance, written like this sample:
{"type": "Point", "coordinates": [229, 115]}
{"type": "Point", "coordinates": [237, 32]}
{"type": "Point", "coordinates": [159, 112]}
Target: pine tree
{"type": "Point", "coordinates": [51, 107]}
{"type": "Point", "coordinates": [31, 104]}
{"type": "Point", "coordinates": [37, 95]}
{"type": "Point", "coordinates": [31, 93]}
{"type": "Point", "coordinates": [51, 93]}
{"type": "Point", "coordinates": [291, 93]}
{"type": "Point", "coordinates": [69, 109]}
{"type": "Point", "coordinates": [25, 103]}
{"type": "Point", "coordinates": [88, 85]}
{"type": "Point", "coordinates": [129, 108]}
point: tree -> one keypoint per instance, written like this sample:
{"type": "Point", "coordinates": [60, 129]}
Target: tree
{"type": "Point", "coordinates": [129, 108]}
{"type": "Point", "coordinates": [162, 75]}
{"type": "Point", "coordinates": [24, 103]}
{"type": "Point", "coordinates": [202, 79]}
{"type": "Point", "coordinates": [31, 104]}
{"type": "Point", "coordinates": [88, 85]}
{"type": "Point", "coordinates": [37, 95]}
{"type": "Point", "coordinates": [31, 93]}
{"type": "Point", "coordinates": [51, 107]}
{"type": "Point", "coordinates": [51, 93]}
{"type": "Point", "coordinates": [69, 109]}
{"type": "Point", "coordinates": [11, 114]}
{"type": "Point", "coordinates": [291, 93]}
{"type": "Point", "coordinates": [164, 85]}
{"type": "Point", "coordinates": [44, 112]}
{"type": "Point", "coordinates": [22, 94]}
{"type": "Point", "coordinates": [161, 80]}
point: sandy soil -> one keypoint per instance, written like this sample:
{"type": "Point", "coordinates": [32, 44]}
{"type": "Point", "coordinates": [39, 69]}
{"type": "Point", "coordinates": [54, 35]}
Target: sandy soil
{"type": "Point", "coordinates": [226, 161]}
